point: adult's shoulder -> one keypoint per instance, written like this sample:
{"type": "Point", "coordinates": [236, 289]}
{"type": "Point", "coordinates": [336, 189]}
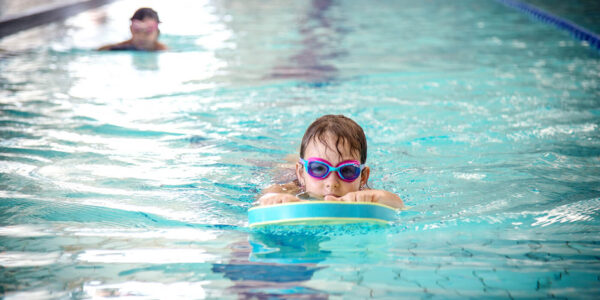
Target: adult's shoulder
{"type": "Point", "coordinates": [161, 46]}
{"type": "Point", "coordinates": [118, 46]}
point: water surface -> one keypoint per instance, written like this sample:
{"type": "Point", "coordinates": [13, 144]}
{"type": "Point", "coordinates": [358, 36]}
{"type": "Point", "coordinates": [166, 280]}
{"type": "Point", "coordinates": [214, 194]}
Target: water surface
{"type": "Point", "coordinates": [130, 174]}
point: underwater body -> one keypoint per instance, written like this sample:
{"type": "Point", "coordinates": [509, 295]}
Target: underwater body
{"type": "Point", "coordinates": [130, 174]}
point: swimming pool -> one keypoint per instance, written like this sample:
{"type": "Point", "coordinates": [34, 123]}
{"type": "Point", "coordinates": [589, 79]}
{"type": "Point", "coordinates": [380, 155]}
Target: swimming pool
{"type": "Point", "coordinates": [130, 174]}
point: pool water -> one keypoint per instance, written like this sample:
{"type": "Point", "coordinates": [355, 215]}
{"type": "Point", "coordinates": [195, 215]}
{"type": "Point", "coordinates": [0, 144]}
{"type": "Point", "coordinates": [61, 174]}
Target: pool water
{"type": "Point", "coordinates": [128, 174]}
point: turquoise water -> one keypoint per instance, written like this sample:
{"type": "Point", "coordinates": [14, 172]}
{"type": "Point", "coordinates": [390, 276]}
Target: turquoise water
{"type": "Point", "coordinates": [130, 174]}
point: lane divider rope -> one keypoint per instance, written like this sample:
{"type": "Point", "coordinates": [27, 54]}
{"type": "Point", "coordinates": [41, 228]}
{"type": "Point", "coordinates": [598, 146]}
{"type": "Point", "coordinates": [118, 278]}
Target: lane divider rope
{"type": "Point", "coordinates": [577, 31]}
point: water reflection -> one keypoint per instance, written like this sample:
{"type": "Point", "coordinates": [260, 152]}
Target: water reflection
{"type": "Point", "coordinates": [320, 37]}
{"type": "Point", "coordinates": [275, 266]}
{"type": "Point", "coordinates": [145, 61]}
{"type": "Point", "coordinates": [136, 289]}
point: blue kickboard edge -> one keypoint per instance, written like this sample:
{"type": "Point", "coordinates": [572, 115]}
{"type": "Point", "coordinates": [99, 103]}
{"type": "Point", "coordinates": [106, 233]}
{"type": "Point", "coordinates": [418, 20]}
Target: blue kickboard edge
{"type": "Point", "coordinates": [320, 212]}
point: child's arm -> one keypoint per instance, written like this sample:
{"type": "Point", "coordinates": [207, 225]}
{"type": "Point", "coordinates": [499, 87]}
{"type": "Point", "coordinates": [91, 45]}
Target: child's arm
{"type": "Point", "coordinates": [276, 198]}
{"type": "Point", "coordinates": [377, 196]}
{"type": "Point", "coordinates": [279, 193]}
{"type": "Point", "coordinates": [287, 188]}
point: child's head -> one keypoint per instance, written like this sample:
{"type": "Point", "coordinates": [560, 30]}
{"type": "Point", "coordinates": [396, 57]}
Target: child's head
{"type": "Point", "coordinates": [144, 26]}
{"type": "Point", "coordinates": [337, 141]}
{"type": "Point", "coordinates": [145, 12]}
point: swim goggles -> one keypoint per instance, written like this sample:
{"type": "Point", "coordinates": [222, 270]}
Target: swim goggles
{"type": "Point", "coordinates": [144, 26]}
{"type": "Point", "coordinates": [319, 168]}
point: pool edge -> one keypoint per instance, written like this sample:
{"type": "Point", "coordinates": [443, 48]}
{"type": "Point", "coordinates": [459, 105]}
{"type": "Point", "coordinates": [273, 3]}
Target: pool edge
{"type": "Point", "coordinates": [39, 16]}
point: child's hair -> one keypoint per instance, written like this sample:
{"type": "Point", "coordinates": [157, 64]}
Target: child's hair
{"type": "Point", "coordinates": [342, 128]}
{"type": "Point", "coordinates": [145, 12]}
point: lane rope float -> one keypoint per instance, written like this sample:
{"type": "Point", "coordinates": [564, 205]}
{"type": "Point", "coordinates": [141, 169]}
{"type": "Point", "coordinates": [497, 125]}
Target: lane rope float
{"type": "Point", "coordinates": [577, 31]}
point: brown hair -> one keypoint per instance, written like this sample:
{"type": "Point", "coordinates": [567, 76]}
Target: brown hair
{"type": "Point", "coordinates": [341, 127]}
{"type": "Point", "coordinates": [145, 12]}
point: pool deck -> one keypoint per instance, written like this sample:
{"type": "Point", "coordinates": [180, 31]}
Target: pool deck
{"type": "Point", "coordinates": [26, 17]}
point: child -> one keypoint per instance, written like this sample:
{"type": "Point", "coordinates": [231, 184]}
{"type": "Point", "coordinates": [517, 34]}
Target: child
{"type": "Point", "coordinates": [144, 33]}
{"type": "Point", "coordinates": [331, 167]}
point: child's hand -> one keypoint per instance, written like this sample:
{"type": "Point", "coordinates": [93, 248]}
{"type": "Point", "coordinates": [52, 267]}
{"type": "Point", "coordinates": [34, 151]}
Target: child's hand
{"type": "Point", "coordinates": [377, 196]}
{"type": "Point", "coordinates": [276, 198]}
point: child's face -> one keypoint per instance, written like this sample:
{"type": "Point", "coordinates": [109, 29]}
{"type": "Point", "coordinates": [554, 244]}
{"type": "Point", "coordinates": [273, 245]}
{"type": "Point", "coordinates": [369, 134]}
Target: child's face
{"type": "Point", "coordinates": [144, 31]}
{"type": "Point", "coordinates": [332, 185]}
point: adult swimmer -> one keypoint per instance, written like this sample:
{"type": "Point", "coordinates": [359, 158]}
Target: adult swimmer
{"type": "Point", "coordinates": [144, 33]}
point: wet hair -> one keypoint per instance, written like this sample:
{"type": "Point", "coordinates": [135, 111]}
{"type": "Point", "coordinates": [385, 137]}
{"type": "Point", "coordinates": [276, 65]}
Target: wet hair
{"type": "Point", "coordinates": [145, 12]}
{"type": "Point", "coordinates": [342, 128]}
